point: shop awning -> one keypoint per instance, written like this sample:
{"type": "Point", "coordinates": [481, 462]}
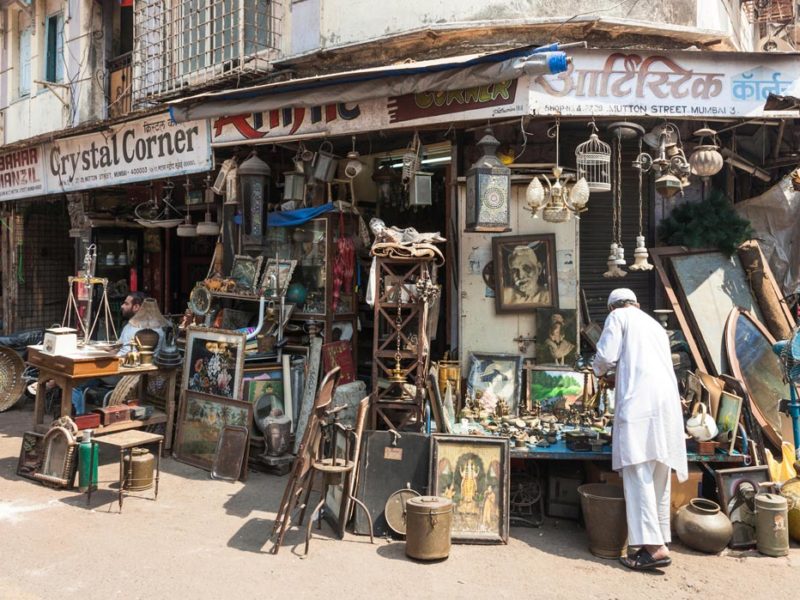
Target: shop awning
{"type": "Point", "coordinates": [362, 84]}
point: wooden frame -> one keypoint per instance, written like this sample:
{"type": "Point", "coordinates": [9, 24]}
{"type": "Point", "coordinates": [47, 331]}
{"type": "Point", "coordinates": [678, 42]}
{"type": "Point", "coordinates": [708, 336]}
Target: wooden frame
{"type": "Point", "coordinates": [525, 294]}
{"type": "Point", "coordinates": [283, 268]}
{"type": "Point", "coordinates": [252, 389]}
{"type": "Point", "coordinates": [59, 459]}
{"type": "Point", "coordinates": [31, 455]}
{"type": "Point", "coordinates": [727, 418]}
{"type": "Point", "coordinates": [203, 416]}
{"type": "Point", "coordinates": [245, 271]}
{"type": "Point", "coordinates": [728, 481]}
{"type": "Point", "coordinates": [479, 368]}
{"type": "Point", "coordinates": [474, 473]}
{"type": "Point", "coordinates": [217, 342]}
{"type": "Point", "coordinates": [435, 398]}
{"type": "Point", "coordinates": [557, 336]}
{"type": "Point", "coordinates": [773, 435]}
{"type": "Point", "coordinates": [229, 457]}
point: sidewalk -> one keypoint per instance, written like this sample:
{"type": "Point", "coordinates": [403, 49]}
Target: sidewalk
{"type": "Point", "coordinates": [208, 539]}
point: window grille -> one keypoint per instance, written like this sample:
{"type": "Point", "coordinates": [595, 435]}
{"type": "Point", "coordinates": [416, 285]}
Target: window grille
{"type": "Point", "coordinates": [182, 43]}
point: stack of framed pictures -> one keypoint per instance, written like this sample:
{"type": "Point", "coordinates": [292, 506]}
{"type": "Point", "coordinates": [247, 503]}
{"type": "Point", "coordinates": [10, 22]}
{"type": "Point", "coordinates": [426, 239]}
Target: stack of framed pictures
{"type": "Point", "coordinates": [210, 394]}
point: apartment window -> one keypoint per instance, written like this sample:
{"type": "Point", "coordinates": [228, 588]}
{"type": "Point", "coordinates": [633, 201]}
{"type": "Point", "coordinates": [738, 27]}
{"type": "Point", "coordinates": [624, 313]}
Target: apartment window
{"type": "Point", "coordinates": [25, 61]}
{"type": "Point", "coordinates": [54, 48]}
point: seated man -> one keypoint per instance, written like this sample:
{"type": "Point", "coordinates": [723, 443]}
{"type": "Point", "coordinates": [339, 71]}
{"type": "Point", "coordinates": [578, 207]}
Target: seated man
{"type": "Point", "coordinates": [129, 309]}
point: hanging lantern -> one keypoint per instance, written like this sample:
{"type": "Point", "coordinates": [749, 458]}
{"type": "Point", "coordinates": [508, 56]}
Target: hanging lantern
{"type": "Point", "coordinates": [294, 186]}
{"type": "Point", "coordinates": [488, 190]}
{"type": "Point", "coordinates": [254, 176]}
{"type": "Point", "coordinates": [208, 226]}
{"type": "Point", "coordinates": [640, 252]}
{"type": "Point", "coordinates": [640, 262]}
{"type": "Point", "coordinates": [187, 228]}
{"type": "Point", "coordinates": [593, 162]}
{"type": "Point", "coordinates": [706, 161]}
{"type": "Point", "coordinates": [384, 177]}
{"type": "Point", "coordinates": [668, 185]}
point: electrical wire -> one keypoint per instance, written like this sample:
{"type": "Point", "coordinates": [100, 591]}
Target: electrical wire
{"type": "Point", "coordinates": [591, 12]}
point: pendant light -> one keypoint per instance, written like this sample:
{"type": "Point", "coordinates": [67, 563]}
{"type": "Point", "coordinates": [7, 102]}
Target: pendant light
{"type": "Point", "coordinates": [616, 257]}
{"type": "Point", "coordinates": [208, 226]}
{"type": "Point", "coordinates": [187, 228]}
{"type": "Point", "coordinates": [640, 262]}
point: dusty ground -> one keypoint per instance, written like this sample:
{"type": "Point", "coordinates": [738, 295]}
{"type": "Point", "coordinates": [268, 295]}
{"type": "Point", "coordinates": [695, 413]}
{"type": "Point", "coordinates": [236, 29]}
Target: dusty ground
{"type": "Point", "coordinates": [208, 539]}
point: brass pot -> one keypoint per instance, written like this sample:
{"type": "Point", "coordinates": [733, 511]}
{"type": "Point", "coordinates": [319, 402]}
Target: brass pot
{"type": "Point", "coordinates": [138, 469]}
{"type": "Point", "coordinates": [701, 526]}
{"type": "Point", "coordinates": [428, 523]}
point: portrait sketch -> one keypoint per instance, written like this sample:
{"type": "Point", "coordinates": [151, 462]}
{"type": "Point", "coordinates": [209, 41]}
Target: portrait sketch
{"type": "Point", "coordinates": [556, 336]}
{"type": "Point", "coordinates": [525, 272]}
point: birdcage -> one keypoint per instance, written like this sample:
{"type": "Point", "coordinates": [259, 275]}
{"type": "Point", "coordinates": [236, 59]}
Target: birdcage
{"type": "Point", "coordinates": [593, 159]}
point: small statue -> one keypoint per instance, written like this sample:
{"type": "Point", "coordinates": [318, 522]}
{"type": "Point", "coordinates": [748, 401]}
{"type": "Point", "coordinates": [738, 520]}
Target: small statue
{"type": "Point", "coordinates": [501, 408]}
{"type": "Point", "coordinates": [133, 357]}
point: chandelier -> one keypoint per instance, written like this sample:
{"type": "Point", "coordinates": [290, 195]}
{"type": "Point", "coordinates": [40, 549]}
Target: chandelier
{"type": "Point", "coordinates": [560, 199]}
{"type": "Point", "coordinates": [669, 163]}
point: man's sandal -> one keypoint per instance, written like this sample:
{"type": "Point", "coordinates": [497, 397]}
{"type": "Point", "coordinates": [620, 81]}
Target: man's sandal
{"type": "Point", "coordinates": [644, 561]}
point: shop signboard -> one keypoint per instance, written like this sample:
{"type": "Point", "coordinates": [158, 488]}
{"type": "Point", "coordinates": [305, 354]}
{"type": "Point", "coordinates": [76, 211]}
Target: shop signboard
{"type": "Point", "coordinates": [701, 85]}
{"type": "Point", "coordinates": [503, 99]}
{"type": "Point", "coordinates": [150, 148]}
{"type": "Point", "coordinates": [21, 173]}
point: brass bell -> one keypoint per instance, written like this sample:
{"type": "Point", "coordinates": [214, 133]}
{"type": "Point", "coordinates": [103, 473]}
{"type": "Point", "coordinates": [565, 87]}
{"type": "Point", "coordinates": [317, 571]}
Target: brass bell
{"type": "Point", "coordinates": [640, 262]}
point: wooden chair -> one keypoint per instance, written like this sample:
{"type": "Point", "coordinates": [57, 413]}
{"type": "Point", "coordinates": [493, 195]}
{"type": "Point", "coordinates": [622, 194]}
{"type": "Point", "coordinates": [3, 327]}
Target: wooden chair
{"type": "Point", "coordinates": [299, 478]}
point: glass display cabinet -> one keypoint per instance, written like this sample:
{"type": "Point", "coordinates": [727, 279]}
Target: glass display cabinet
{"type": "Point", "coordinates": [323, 284]}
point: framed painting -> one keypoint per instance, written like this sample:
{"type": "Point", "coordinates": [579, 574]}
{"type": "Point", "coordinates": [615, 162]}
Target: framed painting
{"type": "Point", "coordinates": [473, 472]}
{"type": "Point", "coordinates": [277, 275]}
{"type": "Point", "coordinates": [443, 424]}
{"type": "Point", "coordinates": [591, 332]}
{"type": "Point", "coordinates": [556, 336]}
{"type": "Point", "coordinates": [495, 377]}
{"type": "Point", "coordinates": [551, 389]}
{"type": "Point", "coordinates": [31, 454]}
{"type": "Point", "coordinates": [266, 388]}
{"type": "Point", "coordinates": [730, 407]}
{"type": "Point", "coordinates": [213, 362]}
{"type": "Point", "coordinates": [245, 270]}
{"type": "Point", "coordinates": [737, 489]}
{"type": "Point", "coordinates": [201, 419]}
{"type": "Point", "coordinates": [525, 272]}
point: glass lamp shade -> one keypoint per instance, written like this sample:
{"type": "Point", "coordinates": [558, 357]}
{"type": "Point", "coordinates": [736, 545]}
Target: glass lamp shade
{"type": "Point", "coordinates": [187, 228]}
{"type": "Point", "coordinates": [488, 190]}
{"type": "Point", "coordinates": [294, 186]}
{"type": "Point", "coordinates": [579, 195]}
{"type": "Point", "coordinates": [534, 195]}
{"type": "Point", "coordinates": [706, 161]}
{"type": "Point", "coordinates": [668, 185]}
{"type": "Point", "coordinates": [556, 211]}
{"type": "Point", "coordinates": [208, 226]}
{"type": "Point", "coordinates": [254, 176]}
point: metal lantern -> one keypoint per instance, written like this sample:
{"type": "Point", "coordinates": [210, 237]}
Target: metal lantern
{"type": "Point", "coordinates": [254, 176]}
{"type": "Point", "coordinates": [488, 190]}
{"type": "Point", "coordinates": [706, 161]}
{"type": "Point", "coordinates": [294, 186]}
{"type": "Point", "coordinates": [593, 162]}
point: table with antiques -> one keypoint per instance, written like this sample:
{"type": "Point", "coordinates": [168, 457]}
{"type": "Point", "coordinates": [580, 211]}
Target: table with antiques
{"type": "Point", "coordinates": [126, 442]}
{"type": "Point", "coordinates": [67, 371]}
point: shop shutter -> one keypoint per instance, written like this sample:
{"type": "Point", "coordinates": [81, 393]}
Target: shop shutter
{"type": "Point", "coordinates": [595, 228]}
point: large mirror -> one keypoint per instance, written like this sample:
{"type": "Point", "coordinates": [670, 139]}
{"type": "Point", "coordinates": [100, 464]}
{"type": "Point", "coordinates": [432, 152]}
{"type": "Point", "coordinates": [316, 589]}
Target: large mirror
{"type": "Point", "coordinates": [752, 361]}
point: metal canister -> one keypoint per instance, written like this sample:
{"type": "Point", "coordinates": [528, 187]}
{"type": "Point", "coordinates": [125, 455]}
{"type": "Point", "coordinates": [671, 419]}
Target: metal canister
{"type": "Point", "coordinates": [772, 525]}
{"type": "Point", "coordinates": [428, 523]}
{"type": "Point", "coordinates": [139, 470]}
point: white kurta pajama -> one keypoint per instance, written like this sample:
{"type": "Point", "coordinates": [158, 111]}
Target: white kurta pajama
{"type": "Point", "coordinates": [648, 436]}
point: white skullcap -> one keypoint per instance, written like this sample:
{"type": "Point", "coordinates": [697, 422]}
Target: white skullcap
{"type": "Point", "coordinates": [621, 294]}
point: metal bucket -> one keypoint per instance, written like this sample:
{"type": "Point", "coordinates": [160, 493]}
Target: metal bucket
{"type": "Point", "coordinates": [772, 525]}
{"type": "Point", "coordinates": [428, 522]}
{"type": "Point", "coordinates": [603, 507]}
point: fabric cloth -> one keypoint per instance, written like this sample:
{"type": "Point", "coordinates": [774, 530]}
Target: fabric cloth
{"type": "Point", "coordinates": [647, 495]}
{"type": "Point", "coordinates": [648, 423]}
{"type": "Point", "coordinates": [620, 294]}
{"type": "Point", "coordinates": [293, 218]}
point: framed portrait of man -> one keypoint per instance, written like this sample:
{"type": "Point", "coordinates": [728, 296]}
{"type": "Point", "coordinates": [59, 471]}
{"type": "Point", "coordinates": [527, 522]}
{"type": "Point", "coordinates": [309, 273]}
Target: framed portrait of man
{"type": "Point", "coordinates": [525, 272]}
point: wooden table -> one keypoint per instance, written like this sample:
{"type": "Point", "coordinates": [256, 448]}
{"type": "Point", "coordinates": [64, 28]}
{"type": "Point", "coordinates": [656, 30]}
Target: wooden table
{"type": "Point", "coordinates": [127, 441]}
{"type": "Point", "coordinates": [68, 371]}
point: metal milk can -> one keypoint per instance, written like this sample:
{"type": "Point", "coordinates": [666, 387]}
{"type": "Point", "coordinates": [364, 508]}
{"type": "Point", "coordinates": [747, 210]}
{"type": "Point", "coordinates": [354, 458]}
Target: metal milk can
{"type": "Point", "coordinates": [428, 522]}
{"type": "Point", "coordinates": [772, 525]}
{"type": "Point", "coordinates": [138, 469]}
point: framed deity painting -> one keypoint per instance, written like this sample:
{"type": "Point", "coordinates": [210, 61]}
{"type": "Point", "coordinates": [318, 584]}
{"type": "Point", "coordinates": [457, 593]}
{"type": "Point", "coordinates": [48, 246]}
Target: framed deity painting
{"type": "Point", "coordinates": [473, 472]}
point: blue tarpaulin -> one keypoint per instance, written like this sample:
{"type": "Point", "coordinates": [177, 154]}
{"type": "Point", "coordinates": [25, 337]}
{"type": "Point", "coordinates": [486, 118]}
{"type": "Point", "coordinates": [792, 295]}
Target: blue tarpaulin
{"type": "Point", "coordinates": [292, 218]}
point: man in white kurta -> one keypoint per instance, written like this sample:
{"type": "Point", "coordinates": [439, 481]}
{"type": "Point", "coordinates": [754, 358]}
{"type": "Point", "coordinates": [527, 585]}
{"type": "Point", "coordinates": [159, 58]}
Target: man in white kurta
{"type": "Point", "coordinates": [648, 436]}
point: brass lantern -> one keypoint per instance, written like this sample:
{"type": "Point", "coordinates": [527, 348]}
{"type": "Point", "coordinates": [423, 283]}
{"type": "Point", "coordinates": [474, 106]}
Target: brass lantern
{"type": "Point", "coordinates": [488, 190]}
{"type": "Point", "coordinates": [254, 176]}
